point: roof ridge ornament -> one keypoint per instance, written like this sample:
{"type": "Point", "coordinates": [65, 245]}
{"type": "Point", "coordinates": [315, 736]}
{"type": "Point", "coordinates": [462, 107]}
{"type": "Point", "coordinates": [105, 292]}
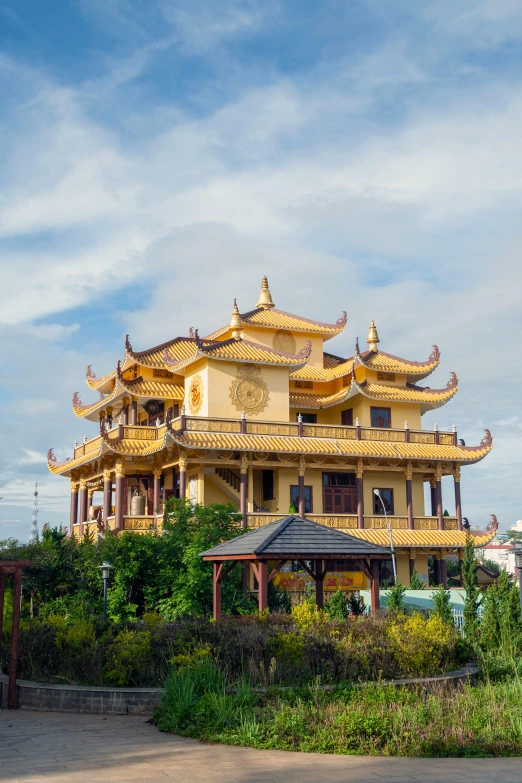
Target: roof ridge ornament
{"type": "Point", "coordinates": [191, 333]}
{"type": "Point", "coordinates": [76, 402]}
{"type": "Point", "coordinates": [198, 340]}
{"type": "Point", "coordinates": [235, 323]}
{"type": "Point", "coordinates": [487, 440]}
{"type": "Point", "coordinates": [343, 319]}
{"type": "Point", "coordinates": [128, 346]}
{"type": "Point", "coordinates": [435, 354]}
{"type": "Point", "coordinates": [89, 373]}
{"type": "Point", "coordinates": [357, 346]}
{"type": "Point", "coordinates": [265, 297]}
{"type": "Point", "coordinates": [453, 381]}
{"type": "Point", "coordinates": [118, 370]}
{"type": "Point", "coordinates": [373, 337]}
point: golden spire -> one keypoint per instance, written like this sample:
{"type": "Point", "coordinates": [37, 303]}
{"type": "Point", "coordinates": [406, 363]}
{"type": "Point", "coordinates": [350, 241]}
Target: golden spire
{"type": "Point", "coordinates": [265, 297]}
{"type": "Point", "coordinates": [235, 323]}
{"type": "Point", "coordinates": [373, 337]}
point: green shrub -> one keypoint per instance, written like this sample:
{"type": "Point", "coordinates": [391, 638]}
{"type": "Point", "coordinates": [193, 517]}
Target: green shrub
{"type": "Point", "coordinates": [127, 658]}
{"type": "Point", "coordinates": [422, 646]}
{"type": "Point", "coordinates": [288, 648]}
{"type": "Point", "coordinates": [442, 605]}
{"type": "Point", "coordinates": [337, 608]}
{"type": "Point", "coordinates": [396, 598]}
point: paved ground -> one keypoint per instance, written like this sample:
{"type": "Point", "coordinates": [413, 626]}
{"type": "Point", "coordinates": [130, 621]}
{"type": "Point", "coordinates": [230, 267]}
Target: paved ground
{"type": "Point", "coordinates": [46, 746]}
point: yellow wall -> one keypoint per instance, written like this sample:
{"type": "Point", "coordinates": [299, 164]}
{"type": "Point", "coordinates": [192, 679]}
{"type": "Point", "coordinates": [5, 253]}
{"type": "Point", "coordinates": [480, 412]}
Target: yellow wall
{"type": "Point", "coordinates": [403, 569]}
{"type": "Point", "coordinates": [288, 477]}
{"type": "Point", "coordinates": [382, 480]}
{"type": "Point", "coordinates": [417, 491]}
{"type": "Point", "coordinates": [213, 494]}
{"type": "Point", "coordinates": [421, 566]}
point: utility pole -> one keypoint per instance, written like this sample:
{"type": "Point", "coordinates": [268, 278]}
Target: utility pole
{"type": "Point", "coordinates": [34, 522]}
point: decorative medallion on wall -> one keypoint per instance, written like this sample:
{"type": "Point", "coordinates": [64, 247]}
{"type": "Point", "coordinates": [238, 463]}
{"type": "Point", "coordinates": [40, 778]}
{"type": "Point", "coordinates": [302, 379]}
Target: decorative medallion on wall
{"type": "Point", "coordinates": [284, 341]}
{"type": "Point", "coordinates": [248, 391]}
{"type": "Point", "coordinates": [195, 395]}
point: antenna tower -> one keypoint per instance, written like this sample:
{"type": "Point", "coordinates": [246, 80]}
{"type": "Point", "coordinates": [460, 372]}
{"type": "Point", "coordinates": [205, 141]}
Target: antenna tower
{"type": "Point", "coordinates": [34, 521]}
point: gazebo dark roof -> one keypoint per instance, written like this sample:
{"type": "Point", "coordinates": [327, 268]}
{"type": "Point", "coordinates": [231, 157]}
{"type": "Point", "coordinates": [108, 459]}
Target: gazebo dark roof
{"type": "Point", "coordinates": [296, 537]}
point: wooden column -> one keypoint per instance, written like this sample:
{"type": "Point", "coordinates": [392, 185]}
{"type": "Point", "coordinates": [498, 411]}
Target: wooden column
{"type": "Point", "coordinates": [243, 488]}
{"type": "Point", "coordinates": [301, 488]}
{"type": "Point", "coordinates": [107, 495]}
{"type": "Point", "coordinates": [458, 502]}
{"type": "Point", "coordinates": [83, 501]}
{"type": "Point", "coordinates": [119, 510]}
{"type": "Point", "coordinates": [412, 566]}
{"type": "Point", "coordinates": [15, 633]}
{"type": "Point", "coordinates": [217, 592]}
{"type": "Point", "coordinates": [90, 502]}
{"type": "Point", "coordinates": [433, 495]}
{"type": "Point", "coordinates": [436, 571]}
{"type": "Point", "coordinates": [443, 571]}
{"type": "Point", "coordinates": [134, 411]}
{"type": "Point", "coordinates": [360, 494]}
{"type": "Point", "coordinates": [375, 597]}
{"type": "Point", "coordinates": [125, 410]}
{"type": "Point", "coordinates": [74, 507]}
{"type": "Point", "coordinates": [182, 475]}
{"type": "Point", "coordinates": [263, 586]}
{"type": "Point", "coordinates": [319, 584]}
{"type": "Point", "coordinates": [440, 510]}
{"type": "Point", "coordinates": [409, 495]}
{"type": "Point", "coordinates": [157, 491]}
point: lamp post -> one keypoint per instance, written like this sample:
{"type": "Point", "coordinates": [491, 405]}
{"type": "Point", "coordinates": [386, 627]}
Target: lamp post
{"type": "Point", "coordinates": [377, 493]}
{"type": "Point", "coordinates": [518, 563]}
{"type": "Point", "coordinates": [105, 567]}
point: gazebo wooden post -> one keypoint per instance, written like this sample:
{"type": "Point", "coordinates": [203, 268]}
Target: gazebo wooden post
{"type": "Point", "coordinates": [15, 634]}
{"type": "Point", "coordinates": [319, 583]}
{"type": "Point", "coordinates": [263, 586]}
{"type": "Point", "coordinates": [217, 591]}
{"type": "Point", "coordinates": [2, 595]}
{"type": "Point", "coordinates": [376, 601]}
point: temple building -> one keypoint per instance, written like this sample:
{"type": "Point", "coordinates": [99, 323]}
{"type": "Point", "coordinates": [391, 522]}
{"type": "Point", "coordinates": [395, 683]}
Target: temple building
{"type": "Point", "coordinates": [261, 413]}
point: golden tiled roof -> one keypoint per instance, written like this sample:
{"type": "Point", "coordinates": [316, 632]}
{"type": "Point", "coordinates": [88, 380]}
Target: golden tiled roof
{"type": "Point", "coordinates": [386, 362]}
{"type": "Point", "coordinates": [179, 349]}
{"type": "Point", "coordinates": [330, 360]}
{"type": "Point", "coordinates": [421, 538]}
{"type": "Point", "coordinates": [279, 319]}
{"type": "Point", "coordinates": [317, 401]}
{"type": "Point", "coordinates": [428, 398]}
{"type": "Point", "coordinates": [63, 467]}
{"type": "Point", "coordinates": [157, 388]}
{"type": "Point", "coordinates": [81, 411]}
{"type": "Point", "coordinates": [321, 374]}
{"type": "Point", "coordinates": [240, 351]}
{"type": "Point", "coordinates": [101, 384]}
{"type": "Point", "coordinates": [349, 447]}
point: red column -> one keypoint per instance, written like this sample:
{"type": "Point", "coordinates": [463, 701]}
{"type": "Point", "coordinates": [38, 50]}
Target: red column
{"type": "Point", "coordinates": [436, 571]}
{"type": "Point", "coordinates": [360, 502]}
{"type": "Point", "coordinates": [319, 586]}
{"type": "Point", "coordinates": [134, 412]}
{"type": "Point", "coordinates": [443, 573]}
{"type": "Point", "coordinates": [375, 597]}
{"type": "Point", "coordinates": [409, 501]}
{"type": "Point", "coordinates": [217, 592]}
{"type": "Point", "coordinates": [83, 501]}
{"type": "Point", "coordinates": [263, 587]}
{"type": "Point", "coordinates": [74, 507]}
{"type": "Point", "coordinates": [433, 496]}
{"type": "Point", "coordinates": [440, 510]}
{"type": "Point", "coordinates": [2, 595]}
{"type": "Point", "coordinates": [182, 477]}
{"type": "Point", "coordinates": [13, 657]}
{"type": "Point", "coordinates": [107, 495]}
{"type": "Point", "coordinates": [301, 496]}
{"type": "Point", "coordinates": [157, 491]}
{"type": "Point", "coordinates": [458, 501]}
{"type": "Point", "coordinates": [243, 486]}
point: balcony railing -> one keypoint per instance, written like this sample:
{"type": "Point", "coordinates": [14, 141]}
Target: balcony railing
{"type": "Point", "coordinates": [272, 428]}
{"type": "Point", "coordinates": [349, 521]}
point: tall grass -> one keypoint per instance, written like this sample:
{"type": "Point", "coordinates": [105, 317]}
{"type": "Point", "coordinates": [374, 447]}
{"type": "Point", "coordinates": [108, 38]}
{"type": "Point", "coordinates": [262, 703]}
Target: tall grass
{"type": "Point", "coordinates": [484, 719]}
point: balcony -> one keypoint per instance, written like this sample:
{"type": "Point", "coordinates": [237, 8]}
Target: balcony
{"type": "Point", "coordinates": [273, 428]}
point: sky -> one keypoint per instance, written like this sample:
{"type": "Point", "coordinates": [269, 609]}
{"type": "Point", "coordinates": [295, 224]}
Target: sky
{"type": "Point", "coordinates": [159, 156]}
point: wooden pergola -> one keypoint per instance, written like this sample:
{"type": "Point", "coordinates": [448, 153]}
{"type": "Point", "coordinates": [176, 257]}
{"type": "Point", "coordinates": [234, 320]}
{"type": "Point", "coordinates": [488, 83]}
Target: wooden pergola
{"type": "Point", "coordinates": [295, 538]}
{"type": "Point", "coordinates": [8, 567]}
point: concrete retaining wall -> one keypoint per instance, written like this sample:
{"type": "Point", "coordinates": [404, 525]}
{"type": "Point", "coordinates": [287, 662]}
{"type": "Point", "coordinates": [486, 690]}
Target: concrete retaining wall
{"type": "Point", "coordinates": [80, 698]}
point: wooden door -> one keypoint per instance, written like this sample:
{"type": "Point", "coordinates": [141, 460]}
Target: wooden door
{"type": "Point", "coordinates": [339, 500]}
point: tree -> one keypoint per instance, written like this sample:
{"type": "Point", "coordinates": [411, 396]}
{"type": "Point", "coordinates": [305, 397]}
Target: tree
{"type": "Point", "coordinates": [396, 598]}
{"type": "Point", "coordinates": [442, 605]}
{"type": "Point", "coordinates": [490, 626]}
{"type": "Point", "coordinates": [337, 608]}
{"type": "Point", "coordinates": [469, 578]}
{"type": "Point", "coordinates": [415, 581]}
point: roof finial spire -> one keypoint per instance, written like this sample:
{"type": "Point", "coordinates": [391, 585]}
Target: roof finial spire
{"type": "Point", "coordinates": [235, 323]}
{"type": "Point", "coordinates": [373, 337]}
{"type": "Point", "coordinates": [265, 297]}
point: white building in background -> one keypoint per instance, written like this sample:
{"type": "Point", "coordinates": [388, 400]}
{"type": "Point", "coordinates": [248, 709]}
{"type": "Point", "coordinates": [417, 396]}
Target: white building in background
{"type": "Point", "coordinates": [517, 527]}
{"type": "Point", "coordinates": [502, 554]}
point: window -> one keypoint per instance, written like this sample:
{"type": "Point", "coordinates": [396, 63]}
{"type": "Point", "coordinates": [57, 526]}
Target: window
{"type": "Point", "coordinates": [381, 417]}
{"type": "Point", "coordinates": [294, 498]}
{"type": "Point", "coordinates": [308, 418]}
{"type": "Point", "coordinates": [387, 499]}
{"type": "Point", "coordinates": [386, 573]}
{"type": "Point", "coordinates": [347, 417]}
{"type": "Point", "coordinates": [339, 479]}
{"type": "Point", "coordinates": [268, 485]}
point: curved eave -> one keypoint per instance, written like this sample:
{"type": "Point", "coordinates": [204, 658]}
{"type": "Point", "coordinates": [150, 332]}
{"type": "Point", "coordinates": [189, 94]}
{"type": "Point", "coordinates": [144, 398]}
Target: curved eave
{"type": "Point", "coordinates": [386, 362]}
{"type": "Point", "coordinates": [263, 358]}
{"type": "Point", "coordinates": [153, 357]}
{"type": "Point", "coordinates": [318, 401]}
{"type": "Point", "coordinates": [84, 411]}
{"type": "Point", "coordinates": [154, 389]}
{"type": "Point", "coordinates": [331, 447]}
{"type": "Point", "coordinates": [450, 539]}
{"type": "Point", "coordinates": [136, 448]}
{"type": "Point", "coordinates": [64, 468]}
{"type": "Point", "coordinates": [323, 375]}
{"type": "Point", "coordinates": [103, 384]}
{"type": "Point", "coordinates": [280, 319]}
{"type": "Point", "coordinates": [429, 399]}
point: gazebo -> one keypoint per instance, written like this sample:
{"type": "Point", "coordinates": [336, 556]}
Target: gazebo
{"type": "Point", "coordinates": [294, 538]}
